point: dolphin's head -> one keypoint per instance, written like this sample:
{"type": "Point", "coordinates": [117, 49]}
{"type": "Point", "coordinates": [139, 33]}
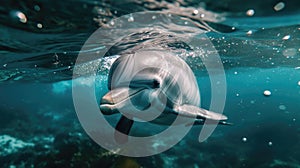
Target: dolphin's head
{"type": "Point", "coordinates": [136, 93]}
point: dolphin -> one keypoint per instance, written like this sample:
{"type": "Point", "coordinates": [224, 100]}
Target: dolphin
{"type": "Point", "coordinates": [156, 86]}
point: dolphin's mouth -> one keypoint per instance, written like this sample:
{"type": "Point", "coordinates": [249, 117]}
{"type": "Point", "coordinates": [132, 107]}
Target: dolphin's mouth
{"type": "Point", "coordinates": [115, 98]}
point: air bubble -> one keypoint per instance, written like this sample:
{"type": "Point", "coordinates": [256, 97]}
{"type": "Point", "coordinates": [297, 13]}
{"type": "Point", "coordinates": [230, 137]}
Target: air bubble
{"type": "Point", "coordinates": [249, 32]}
{"type": "Point", "coordinates": [131, 19]}
{"type": "Point", "coordinates": [37, 7]}
{"type": "Point", "coordinates": [286, 37]}
{"type": "Point", "coordinates": [20, 15]}
{"type": "Point", "coordinates": [195, 12]}
{"type": "Point", "coordinates": [112, 23]}
{"type": "Point", "coordinates": [250, 12]}
{"type": "Point", "coordinates": [270, 143]}
{"type": "Point", "coordinates": [244, 139]}
{"type": "Point", "coordinates": [282, 107]}
{"type": "Point", "coordinates": [39, 25]}
{"type": "Point", "coordinates": [279, 6]}
{"type": "Point", "coordinates": [267, 93]}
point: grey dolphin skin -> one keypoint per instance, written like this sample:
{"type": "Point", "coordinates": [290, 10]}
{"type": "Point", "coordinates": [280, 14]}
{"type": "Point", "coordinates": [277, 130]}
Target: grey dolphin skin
{"type": "Point", "coordinates": [157, 83]}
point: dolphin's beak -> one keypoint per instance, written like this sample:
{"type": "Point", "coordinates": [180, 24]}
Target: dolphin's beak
{"type": "Point", "coordinates": [117, 98]}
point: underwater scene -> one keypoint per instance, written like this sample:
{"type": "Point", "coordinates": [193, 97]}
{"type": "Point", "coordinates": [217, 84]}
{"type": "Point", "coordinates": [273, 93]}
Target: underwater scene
{"type": "Point", "coordinates": [229, 70]}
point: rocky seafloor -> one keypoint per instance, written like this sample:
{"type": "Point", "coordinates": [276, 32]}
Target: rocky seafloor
{"type": "Point", "coordinates": [44, 139]}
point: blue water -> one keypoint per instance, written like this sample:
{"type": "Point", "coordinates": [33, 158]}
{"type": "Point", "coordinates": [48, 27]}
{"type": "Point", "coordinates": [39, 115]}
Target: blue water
{"type": "Point", "coordinates": [38, 123]}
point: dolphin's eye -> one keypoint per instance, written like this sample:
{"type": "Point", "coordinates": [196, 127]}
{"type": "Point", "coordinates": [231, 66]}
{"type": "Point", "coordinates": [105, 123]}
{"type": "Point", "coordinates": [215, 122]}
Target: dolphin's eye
{"type": "Point", "coordinates": [156, 83]}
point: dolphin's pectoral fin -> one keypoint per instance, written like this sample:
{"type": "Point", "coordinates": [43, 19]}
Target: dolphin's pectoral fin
{"type": "Point", "coordinates": [197, 112]}
{"type": "Point", "coordinates": [122, 130]}
{"type": "Point", "coordinates": [225, 123]}
{"type": "Point", "coordinates": [202, 122]}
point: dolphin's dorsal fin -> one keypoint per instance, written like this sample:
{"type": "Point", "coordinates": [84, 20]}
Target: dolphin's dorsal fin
{"type": "Point", "coordinates": [122, 130]}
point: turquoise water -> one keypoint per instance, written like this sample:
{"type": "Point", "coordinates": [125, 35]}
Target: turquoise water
{"type": "Point", "coordinates": [260, 52]}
